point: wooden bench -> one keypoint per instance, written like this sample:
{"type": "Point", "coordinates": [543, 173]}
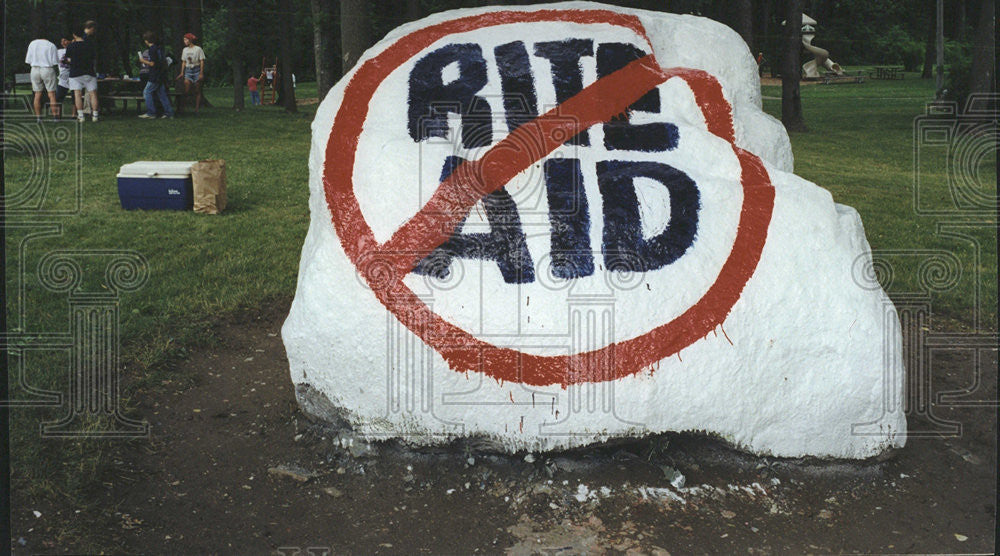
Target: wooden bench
{"type": "Point", "coordinates": [833, 79]}
{"type": "Point", "coordinates": [888, 72]}
{"type": "Point", "coordinates": [21, 79]}
{"type": "Point", "coordinates": [139, 100]}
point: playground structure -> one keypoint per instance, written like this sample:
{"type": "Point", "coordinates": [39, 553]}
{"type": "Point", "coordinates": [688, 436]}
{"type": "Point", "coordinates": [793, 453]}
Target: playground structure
{"type": "Point", "coordinates": [810, 69]}
{"type": "Point", "coordinates": [269, 77]}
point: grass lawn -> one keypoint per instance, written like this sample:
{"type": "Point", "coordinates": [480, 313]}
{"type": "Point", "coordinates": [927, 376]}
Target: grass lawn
{"type": "Point", "coordinates": [199, 267]}
{"type": "Point", "coordinates": [860, 147]}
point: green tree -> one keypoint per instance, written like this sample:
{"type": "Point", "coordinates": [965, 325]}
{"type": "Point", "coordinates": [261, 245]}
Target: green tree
{"type": "Point", "coordinates": [234, 38]}
{"type": "Point", "coordinates": [286, 16]}
{"type": "Point", "coordinates": [984, 51]}
{"type": "Point", "coordinates": [355, 31]}
{"type": "Point", "coordinates": [323, 30]}
{"type": "Point", "coordinates": [791, 69]}
{"type": "Point", "coordinates": [744, 22]}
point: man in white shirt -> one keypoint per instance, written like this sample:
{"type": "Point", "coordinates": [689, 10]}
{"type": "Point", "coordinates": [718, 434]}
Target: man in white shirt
{"type": "Point", "coordinates": [43, 59]}
{"type": "Point", "coordinates": [63, 82]}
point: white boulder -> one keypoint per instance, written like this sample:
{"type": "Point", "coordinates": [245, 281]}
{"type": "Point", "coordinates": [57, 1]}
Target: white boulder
{"type": "Point", "coordinates": [689, 300]}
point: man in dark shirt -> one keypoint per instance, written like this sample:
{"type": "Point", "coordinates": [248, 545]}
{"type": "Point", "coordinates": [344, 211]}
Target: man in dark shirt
{"type": "Point", "coordinates": [156, 88]}
{"type": "Point", "coordinates": [89, 33]}
{"type": "Point", "coordinates": [81, 54]}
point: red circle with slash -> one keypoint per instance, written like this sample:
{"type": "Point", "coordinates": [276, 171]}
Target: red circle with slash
{"type": "Point", "coordinates": [383, 265]}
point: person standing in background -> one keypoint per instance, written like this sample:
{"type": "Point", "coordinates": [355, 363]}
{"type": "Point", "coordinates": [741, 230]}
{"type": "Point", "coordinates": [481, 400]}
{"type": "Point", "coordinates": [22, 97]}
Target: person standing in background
{"type": "Point", "coordinates": [144, 77]}
{"type": "Point", "coordinates": [89, 31]}
{"type": "Point", "coordinates": [143, 67]}
{"type": "Point", "coordinates": [268, 75]}
{"type": "Point", "coordinates": [254, 93]}
{"type": "Point", "coordinates": [192, 68]}
{"type": "Point", "coordinates": [62, 85]}
{"type": "Point", "coordinates": [81, 55]}
{"type": "Point", "coordinates": [156, 87]}
{"type": "Point", "coordinates": [43, 58]}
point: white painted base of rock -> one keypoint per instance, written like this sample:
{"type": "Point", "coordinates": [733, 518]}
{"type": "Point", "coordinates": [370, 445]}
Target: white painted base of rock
{"type": "Point", "coordinates": [806, 364]}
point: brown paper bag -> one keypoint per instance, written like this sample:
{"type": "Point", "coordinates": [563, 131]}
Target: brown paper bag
{"type": "Point", "coordinates": [209, 180]}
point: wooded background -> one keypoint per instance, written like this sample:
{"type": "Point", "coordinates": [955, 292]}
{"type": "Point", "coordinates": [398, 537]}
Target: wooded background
{"type": "Point", "coordinates": [319, 39]}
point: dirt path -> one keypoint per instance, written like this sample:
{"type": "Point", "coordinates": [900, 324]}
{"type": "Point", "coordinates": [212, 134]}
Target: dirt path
{"type": "Point", "coordinates": [201, 484]}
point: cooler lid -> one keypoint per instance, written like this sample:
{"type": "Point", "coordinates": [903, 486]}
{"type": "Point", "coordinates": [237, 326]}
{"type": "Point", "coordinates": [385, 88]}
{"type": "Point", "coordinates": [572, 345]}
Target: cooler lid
{"type": "Point", "coordinates": [157, 169]}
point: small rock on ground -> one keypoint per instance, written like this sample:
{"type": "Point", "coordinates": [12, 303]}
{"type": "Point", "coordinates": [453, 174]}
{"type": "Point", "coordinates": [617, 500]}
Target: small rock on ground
{"type": "Point", "coordinates": [293, 472]}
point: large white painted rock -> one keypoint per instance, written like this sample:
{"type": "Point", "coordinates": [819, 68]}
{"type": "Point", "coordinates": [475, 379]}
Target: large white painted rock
{"type": "Point", "coordinates": [666, 272]}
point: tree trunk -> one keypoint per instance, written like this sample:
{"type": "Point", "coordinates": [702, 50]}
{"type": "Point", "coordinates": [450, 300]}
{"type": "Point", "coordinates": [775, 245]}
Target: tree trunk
{"type": "Point", "coordinates": [176, 40]}
{"type": "Point", "coordinates": [154, 18]}
{"type": "Point", "coordinates": [37, 19]}
{"type": "Point", "coordinates": [322, 16]}
{"type": "Point", "coordinates": [119, 32]}
{"type": "Point", "coordinates": [355, 31]}
{"type": "Point", "coordinates": [984, 50]}
{"type": "Point", "coordinates": [285, 56]}
{"type": "Point", "coordinates": [67, 18]}
{"type": "Point", "coordinates": [413, 10]}
{"type": "Point", "coordinates": [716, 11]}
{"type": "Point", "coordinates": [192, 22]}
{"type": "Point", "coordinates": [791, 70]}
{"type": "Point", "coordinates": [939, 49]}
{"type": "Point", "coordinates": [104, 43]}
{"type": "Point", "coordinates": [744, 22]}
{"type": "Point", "coordinates": [764, 40]}
{"type": "Point", "coordinates": [958, 32]}
{"type": "Point", "coordinates": [234, 38]}
{"type": "Point", "coordinates": [930, 43]}
{"type": "Point", "coordinates": [192, 17]}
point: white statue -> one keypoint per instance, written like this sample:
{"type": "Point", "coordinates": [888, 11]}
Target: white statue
{"type": "Point", "coordinates": [822, 57]}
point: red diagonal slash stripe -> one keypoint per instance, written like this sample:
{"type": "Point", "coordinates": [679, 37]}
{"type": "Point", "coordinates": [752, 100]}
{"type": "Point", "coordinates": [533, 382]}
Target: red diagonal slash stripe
{"type": "Point", "coordinates": [457, 194]}
{"type": "Point", "coordinates": [474, 179]}
{"type": "Point", "coordinates": [383, 269]}
{"type": "Point", "coordinates": [349, 121]}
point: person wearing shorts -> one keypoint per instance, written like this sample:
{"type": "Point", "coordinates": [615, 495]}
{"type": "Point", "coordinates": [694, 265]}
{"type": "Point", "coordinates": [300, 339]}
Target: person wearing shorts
{"type": "Point", "coordinates": [80, 55]}
{"type": "Point", "coordinates": [43, 58]}
{"type": "Point", "coordinates": [192, 68]}
{"type": "Point", "coordinates": [62, 85]}
{"type": "Point", "coordinates": [89, 36]}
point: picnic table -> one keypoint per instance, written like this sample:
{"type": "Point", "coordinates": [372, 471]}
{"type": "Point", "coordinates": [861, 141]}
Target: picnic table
{"type": "Point", "coordinates": [20, 79]}
{"type": "Point", "coordinates": [888, 72]}
{"type": "Point", "coordinates": [110, 90]}
{"type": "Point", "coordinates": [833, 79]}
{"type": "Point", "coordinates": [15, 102]}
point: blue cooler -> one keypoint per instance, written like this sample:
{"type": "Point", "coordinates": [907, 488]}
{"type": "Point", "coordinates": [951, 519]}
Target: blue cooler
{"type": "Point", "coordinates": [164, 185]}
